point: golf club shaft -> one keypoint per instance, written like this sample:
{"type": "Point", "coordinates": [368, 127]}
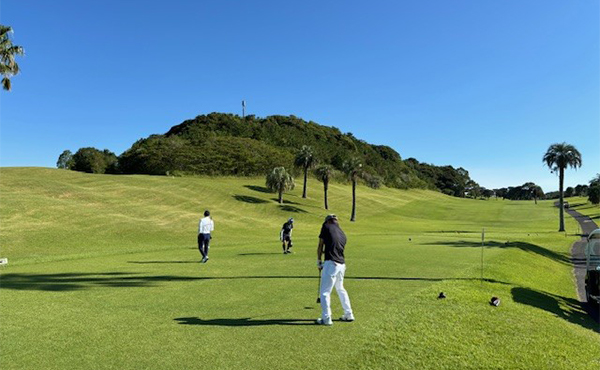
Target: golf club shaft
{"type": "Point", "coordinates": [319, 288]}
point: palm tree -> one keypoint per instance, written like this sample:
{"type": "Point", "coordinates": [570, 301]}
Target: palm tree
{"type": "Point", "coordinates": [305, 158]}
{"type": "Point", "coordinates": [324, 174]}
{"type": "Point", "coordinates": [279, 180]}
{"type": "Point", "coordinates": [352, 168]}
{"type": "Point", "coordinates": [8, 51]}
{"type": "Point", "coordinates": [558, 157]}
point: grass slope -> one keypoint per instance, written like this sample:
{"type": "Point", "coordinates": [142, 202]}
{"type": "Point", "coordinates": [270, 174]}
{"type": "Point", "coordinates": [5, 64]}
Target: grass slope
{"type": "Point", "coordinates": [104, 273]}
{"type": "Point", "coordinates": [585, 207]}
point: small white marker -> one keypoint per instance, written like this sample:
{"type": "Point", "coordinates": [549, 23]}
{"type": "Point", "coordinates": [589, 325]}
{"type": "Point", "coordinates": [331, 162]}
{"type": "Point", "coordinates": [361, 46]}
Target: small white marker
{"type": "Point", "coordinates": [3, 261]}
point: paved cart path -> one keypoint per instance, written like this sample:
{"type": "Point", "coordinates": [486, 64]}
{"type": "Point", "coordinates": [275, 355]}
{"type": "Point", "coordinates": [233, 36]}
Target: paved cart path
{"type": "Point", "coordinates": [578, 258]}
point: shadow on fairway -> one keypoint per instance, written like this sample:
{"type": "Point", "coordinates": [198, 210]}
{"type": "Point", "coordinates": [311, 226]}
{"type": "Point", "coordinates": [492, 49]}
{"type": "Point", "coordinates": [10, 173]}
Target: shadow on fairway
{"type": "Point", "coordinates": [77, 281]}
{"type": "Point", "coordinates": [241, 322]}
{"type": "Point", "coordinates": [566, 308]}
{"type": "Point", "coordinates": [527, 247]}
{"type": "Point", "coordinates": [146, 262]}
{"type": "Point", "coordinates": [257, 253]}
{"type": "Point", "coordinates": [453, 232]}
{"type": "Point", "coordinates": [260, 189]}
{"type": "Point", "coordinates": [288, 208]}
{"type": "Point", "coordinates": [284, 201]}
{"type": "Point", "coordinates": [249, 199]}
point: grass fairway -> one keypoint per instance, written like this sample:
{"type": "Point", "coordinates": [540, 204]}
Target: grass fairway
{"type": "Point", "coordinates": [104, 273]}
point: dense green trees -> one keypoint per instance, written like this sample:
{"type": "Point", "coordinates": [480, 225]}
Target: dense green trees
{"type": "Point", "coordinates": [593, 191]}
{"type": "Point", "coordinates": [305, 159]}
{"type": "Point", "coordinates": [65, 160]}
{"type": "Point", "coordinates": [289, 133]}
{"type": "Point", "coordinates": [279, 180]}
{"type": "Point", "coordinates": [214, 155]}
{"type": "Point", "coordinates": [449, 180]}
{"type": "Point", "coordinates": [527, 191]}
{"type": "Point", "coordinates": [558, 157]}
{"type": "Point", "coordinates": [226, 144]}
{"type": "Point", "coordinates": [8, 52]}
{"type": "Point", "coordinates": [92, 160]}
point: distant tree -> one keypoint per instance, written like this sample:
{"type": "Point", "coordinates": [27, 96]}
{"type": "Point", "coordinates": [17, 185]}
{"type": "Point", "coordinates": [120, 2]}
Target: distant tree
{"type": "Point", "coordinates": [353, 168]}
{"type": "Point", "coordinates": [8, 52]}
{"type": "Point", "coordinates": [537, 192]}
{"type": "Point", "coordinates": [594, 190]}
{"type": "Point", "coordinates": [500, 192]}
{"type": "Point", "coordinates": [595, 181]}
{"type": "Point", "coordinates": [487, 193]}
{"type": "Point", "coordinates": [558, 157]}
{"type": "Point", "coordinates": [580, 190]}
{"type": "Point", "coordinates": [594, 194]}
{"type": "Point", "coordinates": [324, 174]}
{"type": "Point", "coordinates": [472, 189]}
{"type": "Point", "coordinates": [305, 158]}
{"type": "Point", "coordinates": [569, 191]}
{"type": "Point", "coordinates": [65, 160]}
{"type": "Point", "coordinates": [279, 180]}
{"type": "Point", "coordinates": [92, 160]}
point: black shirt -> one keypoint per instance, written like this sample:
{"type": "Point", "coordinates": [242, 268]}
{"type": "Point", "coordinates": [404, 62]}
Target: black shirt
{"type": "Point", "coordinates": [287, 227]}
{"type": "Point", "coordinates": [335, 241]}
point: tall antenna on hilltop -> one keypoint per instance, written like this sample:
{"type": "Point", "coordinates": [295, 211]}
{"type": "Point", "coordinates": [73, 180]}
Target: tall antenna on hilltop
{"type": "Point", "coordinates": [243, 109]}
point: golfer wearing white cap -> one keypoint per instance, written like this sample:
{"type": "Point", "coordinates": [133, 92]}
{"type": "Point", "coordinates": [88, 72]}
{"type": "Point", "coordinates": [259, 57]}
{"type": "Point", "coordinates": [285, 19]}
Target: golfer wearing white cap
{"type": "Point", "coordinates": [333, 239]}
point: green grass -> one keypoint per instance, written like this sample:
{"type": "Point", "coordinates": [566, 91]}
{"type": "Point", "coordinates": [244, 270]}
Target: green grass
{"type": "Point", "coordinates": [103, 274]}
{"type": "Point", "coordinates": [583, 206]}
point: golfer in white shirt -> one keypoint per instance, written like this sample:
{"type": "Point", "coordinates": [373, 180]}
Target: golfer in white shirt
{"type": "Point", "coordinates": [205, 226]}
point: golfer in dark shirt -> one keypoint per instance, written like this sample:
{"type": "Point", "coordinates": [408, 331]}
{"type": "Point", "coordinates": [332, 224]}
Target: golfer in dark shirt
{"type": "Point", "coordinates": [332, 242]}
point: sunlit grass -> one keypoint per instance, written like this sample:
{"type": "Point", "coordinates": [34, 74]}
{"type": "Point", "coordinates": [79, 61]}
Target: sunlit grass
{"type": "Point", "coordinates": [104, 273]}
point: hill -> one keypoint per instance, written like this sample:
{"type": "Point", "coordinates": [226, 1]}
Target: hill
{"type": "Point", "coordinates": [227, 144]}
{"type": "Point", "coordinates": [103, 273]}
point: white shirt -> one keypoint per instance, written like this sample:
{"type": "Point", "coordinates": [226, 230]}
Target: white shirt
{"type": "Point", "coordinates": [206, 225]}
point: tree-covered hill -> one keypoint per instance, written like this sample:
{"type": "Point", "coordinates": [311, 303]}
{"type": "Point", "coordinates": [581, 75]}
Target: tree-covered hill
{"type": "Point", "coordinates": [227, 144]}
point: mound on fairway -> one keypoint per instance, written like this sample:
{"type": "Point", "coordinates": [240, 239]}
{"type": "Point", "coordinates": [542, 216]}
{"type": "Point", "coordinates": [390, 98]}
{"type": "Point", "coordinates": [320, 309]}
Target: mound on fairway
{"type": "Point", "coordinates": [104, 273]}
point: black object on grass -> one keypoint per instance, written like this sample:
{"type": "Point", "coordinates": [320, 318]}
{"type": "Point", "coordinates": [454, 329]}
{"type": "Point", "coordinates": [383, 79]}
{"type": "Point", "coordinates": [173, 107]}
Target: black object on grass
{"type": "Point", "coordinates": [495, 301]}
{"type": "Point", "coordinates": [442, 295]}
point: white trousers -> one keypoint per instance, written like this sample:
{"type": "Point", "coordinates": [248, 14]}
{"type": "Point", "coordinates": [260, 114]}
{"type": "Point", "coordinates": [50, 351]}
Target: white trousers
{"type": "Point", "coordinates": [333, 275]}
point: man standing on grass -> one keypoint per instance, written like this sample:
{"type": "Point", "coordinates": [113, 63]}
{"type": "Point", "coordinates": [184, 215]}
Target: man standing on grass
{"type": "Point", "coordinates": [332, 270]}
{"type": "Point", "coordinates": [286, 236]}
{"type": "Point", "coordinates": [205, 226]}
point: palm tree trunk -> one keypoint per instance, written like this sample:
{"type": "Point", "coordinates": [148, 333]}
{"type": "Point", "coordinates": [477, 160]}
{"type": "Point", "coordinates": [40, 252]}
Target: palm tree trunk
{"type": "Point", "coordinates": [561, 203]}
{"type": "Point", "coordinates": [280, 196]}
{"type": "Point", "coordinates": [353, 216]}
{"type": "Point", "coordinates": [325, 186]}
{"type": "Point", "coordinates": [304, 188]}
{"type": "Point", "coordinates": [535, 199]}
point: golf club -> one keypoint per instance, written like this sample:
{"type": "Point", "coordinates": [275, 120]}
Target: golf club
{"type": "Point", "coordinates": [319, 293]}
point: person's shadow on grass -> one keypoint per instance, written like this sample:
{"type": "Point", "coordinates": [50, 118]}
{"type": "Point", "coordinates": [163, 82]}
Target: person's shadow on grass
{"type": "Point", "coordinates": [247, 321]}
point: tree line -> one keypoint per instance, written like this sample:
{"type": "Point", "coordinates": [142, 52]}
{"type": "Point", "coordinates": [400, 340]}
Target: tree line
{"type": "Point", "coordinates": [227, 144]}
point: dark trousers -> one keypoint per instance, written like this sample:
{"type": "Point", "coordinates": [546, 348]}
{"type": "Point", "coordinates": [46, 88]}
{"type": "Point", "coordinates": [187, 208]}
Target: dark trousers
{"type": "Point", "coordinates": [203, 244]}
{"type": "Point", "coordinates": [287, 239]}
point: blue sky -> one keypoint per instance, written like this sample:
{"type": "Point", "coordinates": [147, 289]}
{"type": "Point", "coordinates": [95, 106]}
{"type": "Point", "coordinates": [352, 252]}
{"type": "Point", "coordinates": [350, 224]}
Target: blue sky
{"type": "Point", "coordinates": [486, 85]}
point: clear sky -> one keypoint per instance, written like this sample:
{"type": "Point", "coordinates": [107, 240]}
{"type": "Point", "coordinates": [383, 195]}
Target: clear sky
{"type": "Point", "coordinates": [486, 85]}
